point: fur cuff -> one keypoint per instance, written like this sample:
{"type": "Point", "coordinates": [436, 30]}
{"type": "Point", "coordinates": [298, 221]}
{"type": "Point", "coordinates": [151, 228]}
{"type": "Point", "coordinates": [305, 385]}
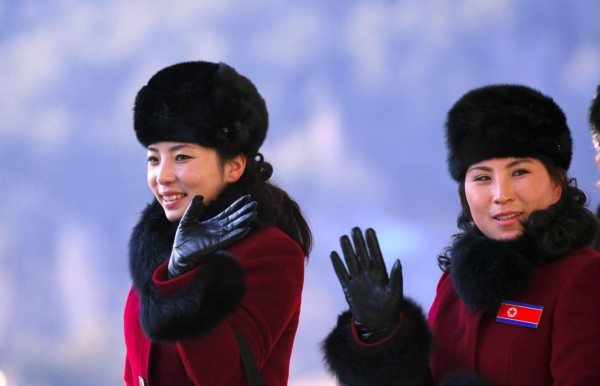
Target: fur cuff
{"type": "Point", "coordinates": [400, 360]}
{"type": "Point", "coordinates": [216, 291]}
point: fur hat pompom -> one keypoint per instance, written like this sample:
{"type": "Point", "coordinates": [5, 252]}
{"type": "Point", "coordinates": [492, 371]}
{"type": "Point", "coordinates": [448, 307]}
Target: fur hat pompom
{"type": "Point", "coordinates": [498, 121]}
{"type": "Point", "coordinates": [205, 103]}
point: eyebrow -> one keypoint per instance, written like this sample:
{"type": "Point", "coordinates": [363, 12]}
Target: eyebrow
{"type": "Point", "coordinates": [511, 164]}
{"type": "Point", "coordinates": [171, 149]}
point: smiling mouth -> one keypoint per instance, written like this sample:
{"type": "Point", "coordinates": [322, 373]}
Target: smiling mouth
{"type": "Point", "coordinates": [507, 217]}
{"type": "Point", "coordinates": [173, 197]}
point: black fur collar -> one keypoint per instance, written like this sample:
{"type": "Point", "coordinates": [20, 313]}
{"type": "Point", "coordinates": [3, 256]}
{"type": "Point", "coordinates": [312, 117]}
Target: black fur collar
{"type": "Point", "coordinates": [485, 271]}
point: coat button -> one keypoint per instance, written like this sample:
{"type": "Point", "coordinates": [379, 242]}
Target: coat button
{"type": "Point", "coordinates": [141, 381]}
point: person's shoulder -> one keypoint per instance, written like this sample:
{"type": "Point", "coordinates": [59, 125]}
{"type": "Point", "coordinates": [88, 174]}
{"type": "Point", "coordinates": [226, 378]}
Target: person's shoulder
{"type": "Point", "coordinates": [270, 238]}
{"type": "Point", "coordinates": [268, 233]}
{"type": "Point", "coordinates": [583, 256]}
{"type": "Point", "coordinates": [580, 262]}
{"type": "Point", "coordinates": [445, 286]}
{"type": "Point", "coordinates": [576, 275]}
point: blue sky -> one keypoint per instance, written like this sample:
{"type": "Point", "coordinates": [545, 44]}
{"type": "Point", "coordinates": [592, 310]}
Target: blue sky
{"type": "Point", "coordinates": [357, 93]}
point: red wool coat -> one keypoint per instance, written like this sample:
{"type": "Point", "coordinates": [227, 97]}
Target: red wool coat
{"type": "Point", "coordinates": [563, 350]}
{"type": "Point", "coordinates": [267, 318]}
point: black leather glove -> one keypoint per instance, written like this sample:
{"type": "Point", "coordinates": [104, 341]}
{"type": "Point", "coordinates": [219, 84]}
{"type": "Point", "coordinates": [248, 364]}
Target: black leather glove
{"type": "Point", "coordinates": [196, 240]}
{"type": "Point", "coordinates": [374, 298]}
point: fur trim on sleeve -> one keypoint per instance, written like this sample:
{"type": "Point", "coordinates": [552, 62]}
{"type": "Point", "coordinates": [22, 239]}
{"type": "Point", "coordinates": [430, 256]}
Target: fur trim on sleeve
{"type": "Point", "coordinates": [400, 360]}
{"type": "Point", "coordinates": [217, 291]}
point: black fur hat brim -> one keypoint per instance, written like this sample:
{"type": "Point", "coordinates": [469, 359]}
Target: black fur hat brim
{"type": "Point", "coordinates": [500, 121]}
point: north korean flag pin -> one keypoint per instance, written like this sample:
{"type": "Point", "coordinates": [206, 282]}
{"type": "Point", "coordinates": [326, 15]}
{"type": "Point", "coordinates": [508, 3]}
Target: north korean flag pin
{"type": "Point", "coordinates": [521, 314]}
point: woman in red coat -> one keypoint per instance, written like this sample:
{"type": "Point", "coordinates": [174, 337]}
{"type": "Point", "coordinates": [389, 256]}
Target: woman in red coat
{"type": "Point", "coordinates": [217, 258]}
{"type": "Point", "coordinates": [517, 303]}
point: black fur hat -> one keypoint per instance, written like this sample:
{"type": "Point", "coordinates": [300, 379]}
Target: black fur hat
{"type": "Point", "coordinates": [499, 121]}
{"type": "Point", "coordinates": [595, 118]}
{"type": "Point", "coordinates": [201, 102]}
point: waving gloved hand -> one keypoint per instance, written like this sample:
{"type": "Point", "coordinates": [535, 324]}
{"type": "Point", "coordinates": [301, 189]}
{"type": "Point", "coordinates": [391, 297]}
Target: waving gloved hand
{"type": "Point", "coordinates": [195, 240]}
{"type": "Point", "coordinates": [374, 298]}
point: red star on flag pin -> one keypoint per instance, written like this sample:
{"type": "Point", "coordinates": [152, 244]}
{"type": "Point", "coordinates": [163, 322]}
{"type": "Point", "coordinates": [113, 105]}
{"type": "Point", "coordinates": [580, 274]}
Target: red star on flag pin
{"type": "Point", "coordinates": [521, 314]}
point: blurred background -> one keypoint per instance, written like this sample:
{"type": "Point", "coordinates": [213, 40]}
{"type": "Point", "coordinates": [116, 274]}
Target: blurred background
{"type": "Point", "coordinates": [357, 93]}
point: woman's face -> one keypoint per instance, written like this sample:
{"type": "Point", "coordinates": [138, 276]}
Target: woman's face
{"type": "Point", "coordinates": [178, 171]}
{"type": "Point", "coordinates": [503, 192]}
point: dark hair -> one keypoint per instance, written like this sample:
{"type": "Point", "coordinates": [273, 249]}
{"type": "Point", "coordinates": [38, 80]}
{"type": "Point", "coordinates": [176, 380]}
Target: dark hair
{"type": "Point", "coordinates": [564, 226]}
{"type": "Point", "coordinates": [275, 206]}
